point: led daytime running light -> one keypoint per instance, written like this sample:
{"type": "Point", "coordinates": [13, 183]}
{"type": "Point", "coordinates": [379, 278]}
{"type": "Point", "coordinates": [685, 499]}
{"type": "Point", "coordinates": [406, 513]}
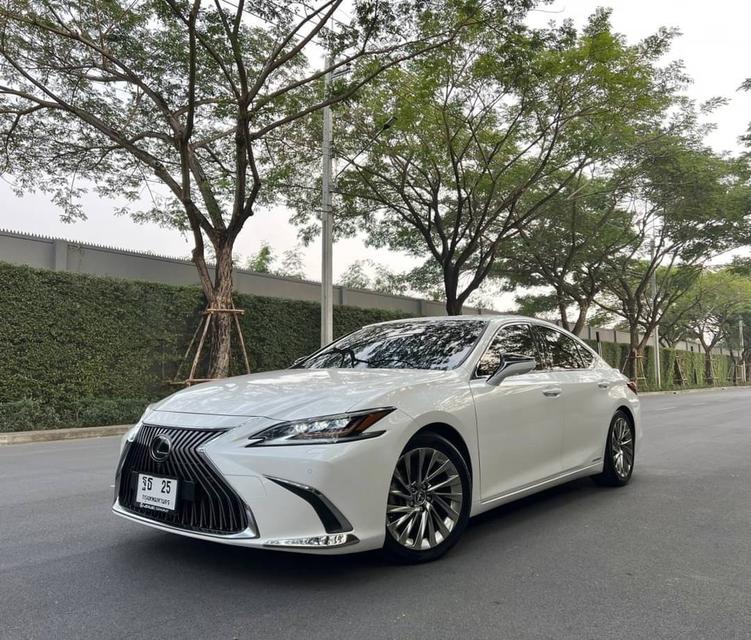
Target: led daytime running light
{"type": "Point", "coordinates": [336, 428]}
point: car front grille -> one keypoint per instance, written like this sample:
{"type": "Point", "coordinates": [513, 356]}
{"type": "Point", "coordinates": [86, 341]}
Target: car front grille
{"type": "Point", "coordinates": [206, 503]}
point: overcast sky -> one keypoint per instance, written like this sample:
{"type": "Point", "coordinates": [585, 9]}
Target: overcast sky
{"type": "Point", "coordinates": [715, 48]}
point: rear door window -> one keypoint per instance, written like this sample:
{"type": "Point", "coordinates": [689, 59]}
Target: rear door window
{"type": "Point", "coordinates": [562, 351]}
{"type": "Point", "coordinates": [586, 356]}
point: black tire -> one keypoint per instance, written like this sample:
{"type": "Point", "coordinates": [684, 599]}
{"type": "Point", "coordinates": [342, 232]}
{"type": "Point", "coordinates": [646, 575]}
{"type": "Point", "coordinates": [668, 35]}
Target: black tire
{"type": "Point", "coordinates": [432, 512]}
{"type": "Point", "coordinates": [613, 474]}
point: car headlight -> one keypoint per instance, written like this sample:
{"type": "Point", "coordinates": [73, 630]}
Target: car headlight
{"type": "Point", "coordinates": [131, 434]}
{"type": "Point", "coordinates": [343, 427]}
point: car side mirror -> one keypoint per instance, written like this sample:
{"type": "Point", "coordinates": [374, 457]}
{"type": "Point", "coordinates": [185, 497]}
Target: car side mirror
{"type": "Point", "coordinates": [517, 366]}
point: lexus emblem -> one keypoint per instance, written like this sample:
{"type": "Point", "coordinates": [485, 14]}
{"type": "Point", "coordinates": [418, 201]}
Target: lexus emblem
{"type": "Point", "coordinates": [160, 448]}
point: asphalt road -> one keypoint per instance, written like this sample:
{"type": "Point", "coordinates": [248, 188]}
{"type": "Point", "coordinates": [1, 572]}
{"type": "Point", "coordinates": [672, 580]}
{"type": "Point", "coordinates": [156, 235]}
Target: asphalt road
{"type": "Point", "coordinates": [669, 556]}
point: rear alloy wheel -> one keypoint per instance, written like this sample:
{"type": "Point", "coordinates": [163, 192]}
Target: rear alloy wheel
{"type": "Point", "coordinates": [429, 500]}
{"type": "Point", "coordinates": [619, 452]}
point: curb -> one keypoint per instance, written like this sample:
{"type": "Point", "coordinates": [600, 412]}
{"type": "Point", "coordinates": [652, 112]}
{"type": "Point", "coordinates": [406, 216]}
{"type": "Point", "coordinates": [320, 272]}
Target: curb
{"type": "Point", "coordinates": [680, 392]}
{"type": "Point", "coordinates": [48, 435]}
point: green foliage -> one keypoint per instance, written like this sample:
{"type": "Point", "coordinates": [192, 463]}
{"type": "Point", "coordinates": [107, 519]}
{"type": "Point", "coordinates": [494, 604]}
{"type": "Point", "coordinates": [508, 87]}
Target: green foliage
{"type": "Point", "coordinates": [691, 364]}
{"type": "Point", "coordinates": [190, 113]}
{"type": "Point", "coordinates": [24, 414]}
{"type": "Point", "coordinates": [712, 306]}
{"type": "Point", "coordinates": [356, 276]}
{"type": "Point", "coordinates": [261, 261]}
{"type": "Point", "coordinates": [79, 350]}
{"type": "Point", "coordinates": [487, 131]}
{"type": "Point", "coordinates": [265, 261]}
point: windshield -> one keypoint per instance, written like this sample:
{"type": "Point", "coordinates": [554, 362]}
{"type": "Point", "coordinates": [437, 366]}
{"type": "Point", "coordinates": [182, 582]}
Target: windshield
{"type": "Point", "coordinates": [401, 345]}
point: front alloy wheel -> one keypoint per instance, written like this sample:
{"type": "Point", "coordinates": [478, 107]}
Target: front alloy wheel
{"type": "Point", "coordinates": [429, 499]}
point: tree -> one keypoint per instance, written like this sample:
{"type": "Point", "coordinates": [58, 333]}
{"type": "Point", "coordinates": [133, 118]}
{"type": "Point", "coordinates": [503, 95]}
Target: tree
{"type": "Point", "coordinates": [357, 276]}
{"type": "Point", "coordinates": [292, 265]}
{"type": "Point", "coordinates": [487, 131]}
{"type": "Point", "coordinates": [715, 302]}
{"type": "Point", "coordinates": [693, 205]}
{"type": "Point", "coordinates": [265, 259]}
{"type": "Point", "coordinates": [566, 248]}
{"type": "Point", "coordinates": [191, 102]}
{"type": "Point", "coordinates": [261, 261]}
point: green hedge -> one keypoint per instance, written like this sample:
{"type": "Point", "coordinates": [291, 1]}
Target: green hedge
{"type": "Point", "coordinates": [78, 350]}
{"type": "Point", "coordinates": [691, 365]}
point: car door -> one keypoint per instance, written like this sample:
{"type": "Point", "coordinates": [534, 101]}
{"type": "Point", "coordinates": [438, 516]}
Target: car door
{"type": "Point", "coordinates": [580, 400]}
{"type": "Point", "coordinates": [519, 428]}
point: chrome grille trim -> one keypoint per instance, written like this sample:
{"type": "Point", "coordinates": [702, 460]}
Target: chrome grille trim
{"type": "Point", "coordinates": [214, 508]}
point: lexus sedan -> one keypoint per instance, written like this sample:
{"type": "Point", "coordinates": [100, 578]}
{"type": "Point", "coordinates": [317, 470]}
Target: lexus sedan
{"type": "Point", "coordinates": [391, 437]}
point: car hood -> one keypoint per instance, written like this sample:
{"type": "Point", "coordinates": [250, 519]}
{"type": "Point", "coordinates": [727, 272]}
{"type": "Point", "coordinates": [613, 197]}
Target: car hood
{"type": "Point", "coordinates": [296, 393]}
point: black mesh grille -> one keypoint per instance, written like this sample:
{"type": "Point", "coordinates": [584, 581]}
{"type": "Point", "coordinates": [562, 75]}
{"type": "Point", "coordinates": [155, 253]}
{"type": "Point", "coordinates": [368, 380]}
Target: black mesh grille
{"type": "Point", "coordinates": [205, 503]}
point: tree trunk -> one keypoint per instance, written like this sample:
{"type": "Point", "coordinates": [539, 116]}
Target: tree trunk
{"type": "Point", "coordinates": [708, 373]}
{"type": "Point", "coordinates": [451, 286]}
{"type": "Point", "coordinates": [635, 352]}
{"type": "Point", "coordinates": [221, 298]}
{"type": "Point", "coordinates": [581, 319]}
{"type": "Point", "coordinates": [453, 306]}
{"type": "Point", "coordinates": [562, 312]}
{"type": "Point", "coordinates": [734, 362]}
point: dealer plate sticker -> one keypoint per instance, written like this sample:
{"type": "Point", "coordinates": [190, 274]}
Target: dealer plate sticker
{"type": "Point", "coordinates": [156, 493]}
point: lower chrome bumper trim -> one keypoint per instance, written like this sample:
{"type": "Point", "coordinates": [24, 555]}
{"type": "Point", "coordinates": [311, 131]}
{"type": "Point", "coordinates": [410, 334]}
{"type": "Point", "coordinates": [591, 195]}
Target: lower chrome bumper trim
{"type": "Point", "coordinates": [248, 533]}
{"type": "Point", "coordinates": [328, 541]}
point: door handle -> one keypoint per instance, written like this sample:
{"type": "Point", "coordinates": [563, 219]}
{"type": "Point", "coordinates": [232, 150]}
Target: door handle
{"type": "Point", "coordinates": [603, 384]}
{"type": "Point", "coordinates": [552, 392]}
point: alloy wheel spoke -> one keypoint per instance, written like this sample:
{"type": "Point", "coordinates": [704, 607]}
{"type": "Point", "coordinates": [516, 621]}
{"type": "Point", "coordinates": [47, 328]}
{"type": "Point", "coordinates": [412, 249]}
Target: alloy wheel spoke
{"type": "Point", "coordinates": [431, 462]}
{"type": "Point", "coordinates": [420, 537]}
{"type": "Point", "coordinates": [446, 507]}
{"type": "Point", "coordinates": [400, 479]}
{"type": "Point", "coordinates": [420, 464]}
{"type": "Point", "coordinates": [407, 527]}
{"type": "Point", "coordinates": [408, 466]}
{"type": "Point", "coordinates": [432, 542]}
{"type": "Point", "coordinates": [394, 508]}
{"type": "Point", "coordinates": [440, 524]}
{"type": "Point", "coordinates": [397, 524]}
{"type": "Point", "coordinates": [399, 494]}
{"type": "Point", "coordinates": [444, 465]}
{"type": "Point", "coordinates": [443, 483]}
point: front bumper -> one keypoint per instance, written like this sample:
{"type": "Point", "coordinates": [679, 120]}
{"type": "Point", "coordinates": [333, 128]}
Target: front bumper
{"type": "Point", "coordinates": [317, 498]}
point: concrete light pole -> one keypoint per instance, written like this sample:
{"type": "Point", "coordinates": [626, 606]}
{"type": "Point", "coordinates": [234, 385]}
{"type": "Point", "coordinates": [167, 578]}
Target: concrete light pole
{"type": "Point", "coordinates": [328, 181]}
{"type": "Point", "coordinates": [327, 275]}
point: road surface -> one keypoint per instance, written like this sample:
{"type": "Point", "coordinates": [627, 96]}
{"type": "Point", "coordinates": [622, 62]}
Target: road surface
{"type": "Point", "coordinates": [669, 556]}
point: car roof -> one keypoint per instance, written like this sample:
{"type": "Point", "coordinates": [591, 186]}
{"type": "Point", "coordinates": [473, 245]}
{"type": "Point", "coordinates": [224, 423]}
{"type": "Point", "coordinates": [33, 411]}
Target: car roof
{"type": "Point", "coordinates": [496, 317]}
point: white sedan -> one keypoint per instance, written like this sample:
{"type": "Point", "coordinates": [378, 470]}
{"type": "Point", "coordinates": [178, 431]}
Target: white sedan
{"type": "Point", "coordinates": [391, 437]}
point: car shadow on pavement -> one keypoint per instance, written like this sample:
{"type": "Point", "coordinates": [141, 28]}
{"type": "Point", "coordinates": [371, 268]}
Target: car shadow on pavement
{"type": "Point", "coordinates": [245, 565]}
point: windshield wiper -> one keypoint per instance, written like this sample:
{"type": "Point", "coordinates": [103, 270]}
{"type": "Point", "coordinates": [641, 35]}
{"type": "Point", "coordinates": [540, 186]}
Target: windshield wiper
{"type": "Point", "coordinates": [347, 351]}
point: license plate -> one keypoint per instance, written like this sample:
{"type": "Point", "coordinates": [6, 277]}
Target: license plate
{"type": "Point", "coordinates": [157, 493]}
